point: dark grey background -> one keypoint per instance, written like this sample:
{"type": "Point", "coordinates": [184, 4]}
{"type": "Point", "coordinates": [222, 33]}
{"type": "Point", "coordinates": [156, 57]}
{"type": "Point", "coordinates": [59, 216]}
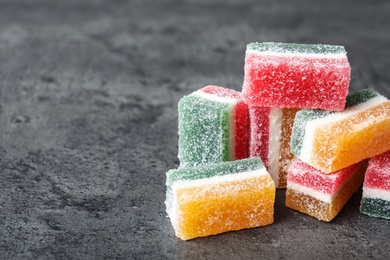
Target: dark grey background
{"type": "Point", "coordinates": [88, 122]}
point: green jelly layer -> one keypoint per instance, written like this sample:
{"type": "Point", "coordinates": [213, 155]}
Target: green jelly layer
{"type": "Point", "coordinates": [212, 170]}
{"type": "Point", "coordinates": [360, 97]}
{"type": "Point", "coordinates": [377, 208]}
{"type": "Point", "coordinates": [204, 131]}
{"type": "Point", "coordinates": [296, 48]}
{"type": "Point", "coordinates": [306, 115]}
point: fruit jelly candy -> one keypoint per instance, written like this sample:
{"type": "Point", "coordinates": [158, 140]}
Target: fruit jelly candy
{"type": "Point", "coordinates": [330, 141]}
{"type": "Point", "coordinates": [215, 198]}
{"type": "Point", "coordinates": [376, 188]}
{"type": "Point", "coordinates": [270, 134]}
{"type": "Point", "coordinates": [296, 75]}
{"type": "Point", "coordinates": [213, 126]}
{"type": "Point", "coordinates": [322, 195]}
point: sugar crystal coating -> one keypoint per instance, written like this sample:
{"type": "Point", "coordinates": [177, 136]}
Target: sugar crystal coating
{"type": "Point", "coordinates": [296, 48]}
{"type": "Point", "coordinates": [216, 198]}
{"type": "Point", "coordinates": [300, 125]}
{"type": "Point", "coordinates": [208, 195]}
{"type": "Point", "coordinates": [287, 75]}
{"type": "Point", "coordinates": [213, 127]}
{"type": "Point", "coordinates": [270, 139]}
{"type": "Point", "coordinates": [361, 97]}
{"type": "Point", "coordinates": [322, 195]}
{"type": "Point", "coordinates": [376, 188]}
{"type": "Point", "coordinates": [330, 141]}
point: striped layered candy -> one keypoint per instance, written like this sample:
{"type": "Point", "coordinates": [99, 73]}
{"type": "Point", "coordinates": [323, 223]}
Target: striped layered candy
{"type": "Point", "coordinates": [289, 75]}
{"type": "Point", "coordinates": [330, 141]}
{"type": "Point", "coordinates": [216, 198]}
{"type": "Point", "coordinates": [213, 126]}
{"type": "Point", "coordinates": [322, 195]}
{"type": "Point", "coordinates": [376, 188]}
{"type": "Point", "coordinates": [270, 139]}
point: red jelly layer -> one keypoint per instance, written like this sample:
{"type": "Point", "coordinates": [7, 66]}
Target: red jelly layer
{"type": "Point", "coordinates": [242, 131]}
{"type": "Point", "coordinates": [259, 140]}
{"type": "Point", "coordinates": [378, 172]}
{"type": "Point", "coordinates": [296, 82]}
{"type": "Point", "coordinates": [305, 175]}
{"type": "Point", "coordinates": [241, 118]}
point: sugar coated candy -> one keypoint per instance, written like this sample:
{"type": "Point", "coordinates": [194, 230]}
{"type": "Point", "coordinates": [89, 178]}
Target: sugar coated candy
{"type": "Point", "coordinates": [213, 126]}
{"type": "Point", "coordinates": [322, 195]}
{"type": "Point", "coordinates": [270, 134]}
{"type": "Point", "coordinates": [296, 75]}
{"type": "Point", "coordinates": [330, 141]}
{"type": "Point", "coordinates": [216, 198]}
{"type": "Point", "coordinates": [376, 187]}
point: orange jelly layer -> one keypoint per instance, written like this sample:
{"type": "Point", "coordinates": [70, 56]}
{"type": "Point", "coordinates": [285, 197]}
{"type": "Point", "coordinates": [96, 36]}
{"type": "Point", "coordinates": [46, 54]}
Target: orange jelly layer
{"type": "Point", "coordinates": [344, 143]}
{"type": "Point", "coordinates": [286, 157]}
{"type": "Point", "coordinates": [215, 208]}
{"type": "Point", "coordinates": [322, 210]}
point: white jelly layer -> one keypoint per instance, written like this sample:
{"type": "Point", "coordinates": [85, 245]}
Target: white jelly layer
{"type": "Point", "coordinates": [328, 198]}
{"type": "Point", "coordinates": [275, 132]}
{"type": "Point", "coordinates": [313, 125]}
{"type": "Point", "coordinates": [376, 193]}
{"type": "Point", "coordinates": [218, 179]}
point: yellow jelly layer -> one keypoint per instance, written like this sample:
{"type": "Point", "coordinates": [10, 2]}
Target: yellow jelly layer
{"type": "Point", "coordinates": [352, 139]}
{"type": "Point", "coordinates": [213, 208]}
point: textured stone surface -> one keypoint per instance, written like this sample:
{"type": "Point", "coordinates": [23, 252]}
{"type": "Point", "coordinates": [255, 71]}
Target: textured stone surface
{"type": "Point", "coordinates": [88, 122]}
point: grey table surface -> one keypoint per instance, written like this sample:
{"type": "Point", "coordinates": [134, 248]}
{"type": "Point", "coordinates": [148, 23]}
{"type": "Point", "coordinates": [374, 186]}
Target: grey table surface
{"type": "Point", "coordinates": [88, 122]}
